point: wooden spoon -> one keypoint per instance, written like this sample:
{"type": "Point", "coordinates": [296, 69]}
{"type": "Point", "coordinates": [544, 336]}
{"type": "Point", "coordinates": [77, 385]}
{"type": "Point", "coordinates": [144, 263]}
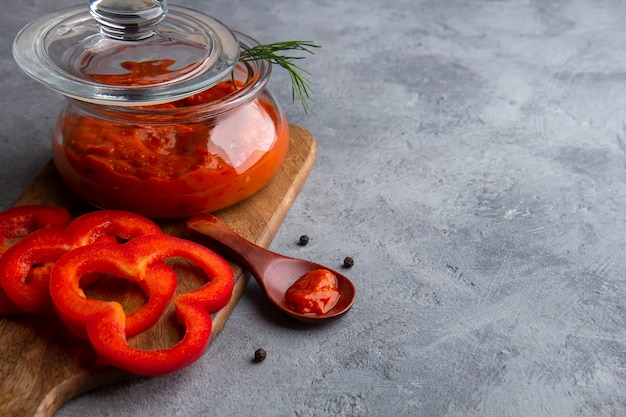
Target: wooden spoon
{"type": "Point", "coordinates": [275, 273]}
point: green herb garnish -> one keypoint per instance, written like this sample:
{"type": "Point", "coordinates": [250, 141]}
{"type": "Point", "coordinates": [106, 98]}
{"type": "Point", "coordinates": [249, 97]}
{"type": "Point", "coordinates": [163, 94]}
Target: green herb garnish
{"type": "Point", "coordinates": [270, 52]}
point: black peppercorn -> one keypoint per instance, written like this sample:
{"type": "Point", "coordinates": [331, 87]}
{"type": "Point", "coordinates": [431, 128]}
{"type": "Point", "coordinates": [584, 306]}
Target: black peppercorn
{"type": "Point", "coordinates": [348, 262]}
{"type": "Point", "coordinates": [260, 355]}
{"type": "Point", "coordinates": [304, 239]}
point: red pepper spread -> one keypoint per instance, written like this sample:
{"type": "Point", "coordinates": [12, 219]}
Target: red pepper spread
{"type": "Point", "coordinates": [170, 169]}
{"type": "Point", "coordinates": [315, 292]}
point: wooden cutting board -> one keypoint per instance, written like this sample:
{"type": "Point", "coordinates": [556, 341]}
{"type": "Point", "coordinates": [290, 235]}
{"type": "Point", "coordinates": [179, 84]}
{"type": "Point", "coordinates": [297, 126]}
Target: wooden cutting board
{"type": "Point", "coordinates": [42, 365]}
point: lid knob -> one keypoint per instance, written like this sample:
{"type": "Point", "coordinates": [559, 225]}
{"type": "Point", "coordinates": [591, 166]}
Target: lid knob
{"type": "Point", "coordinates": [128, 19]}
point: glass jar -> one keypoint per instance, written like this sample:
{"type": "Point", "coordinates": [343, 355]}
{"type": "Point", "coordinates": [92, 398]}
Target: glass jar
{"type": "Point", "coordinates": [201, 153]}
{"type": "Point", "coordinates": [146, 132]}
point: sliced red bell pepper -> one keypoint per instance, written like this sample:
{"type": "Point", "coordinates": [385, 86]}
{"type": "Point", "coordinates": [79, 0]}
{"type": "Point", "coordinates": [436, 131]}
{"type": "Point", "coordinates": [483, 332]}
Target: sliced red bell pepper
{"type": "Point", "coordinates": [18, 222]}
{"type": "Point", "coordinates": [28, 291]}
{"type": "Point", "coordinates": [141, 260]}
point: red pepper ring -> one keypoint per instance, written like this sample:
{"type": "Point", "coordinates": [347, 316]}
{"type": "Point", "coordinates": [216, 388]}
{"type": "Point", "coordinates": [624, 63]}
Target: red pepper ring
{"type": "Point", "coordinates": [30, 294]}
{"type": "Point", "coordinates": [18, 222]}
{"type": "Point", "coordinates": [157, 280]}
{"type": "Point", "coordinates": [105, 322]}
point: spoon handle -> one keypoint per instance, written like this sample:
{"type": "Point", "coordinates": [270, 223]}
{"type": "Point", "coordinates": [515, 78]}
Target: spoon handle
{"type": "Point", "coordinates": [216, 235]}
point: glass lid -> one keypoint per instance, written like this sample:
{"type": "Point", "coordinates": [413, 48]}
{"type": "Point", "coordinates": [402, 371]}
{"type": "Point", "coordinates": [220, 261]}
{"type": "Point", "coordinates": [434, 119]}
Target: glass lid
{"type": "Point", "coordinates": [126, 52]}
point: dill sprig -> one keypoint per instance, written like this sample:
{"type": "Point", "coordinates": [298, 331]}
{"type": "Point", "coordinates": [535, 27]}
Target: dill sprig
{"type": "Point", "coordinates": [270, 52]}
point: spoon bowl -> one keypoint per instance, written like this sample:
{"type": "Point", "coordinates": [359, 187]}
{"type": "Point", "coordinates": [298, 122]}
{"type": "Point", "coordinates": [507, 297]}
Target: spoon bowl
{"type": "Point", "coordinates": [275, 273]}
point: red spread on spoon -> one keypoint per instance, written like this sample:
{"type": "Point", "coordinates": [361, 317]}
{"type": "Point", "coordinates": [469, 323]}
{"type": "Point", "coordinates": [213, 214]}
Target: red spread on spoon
{"type": "Point", "coordinates": [315, 292]}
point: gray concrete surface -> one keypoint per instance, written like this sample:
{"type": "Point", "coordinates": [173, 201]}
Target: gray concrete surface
{"type": "Point", "coordinates": [472, 160]}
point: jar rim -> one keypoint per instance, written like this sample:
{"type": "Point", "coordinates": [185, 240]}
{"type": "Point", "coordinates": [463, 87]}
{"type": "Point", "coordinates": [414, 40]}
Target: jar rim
{"type": "Point", "coordinates": [258, 74]}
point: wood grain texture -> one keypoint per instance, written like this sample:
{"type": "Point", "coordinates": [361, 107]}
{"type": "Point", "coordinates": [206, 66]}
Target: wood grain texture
{"type": "Point", "coordinates": [42, 365]}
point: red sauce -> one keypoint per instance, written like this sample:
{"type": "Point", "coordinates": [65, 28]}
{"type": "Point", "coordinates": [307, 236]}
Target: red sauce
{"type": "Point", "coordinates": [171, 170]}
{"type": "Point", "coordinates": [315, 292]}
